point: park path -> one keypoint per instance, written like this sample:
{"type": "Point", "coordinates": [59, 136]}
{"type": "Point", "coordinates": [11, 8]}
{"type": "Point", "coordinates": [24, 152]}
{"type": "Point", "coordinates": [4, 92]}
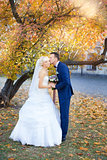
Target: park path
{"type": "Point", "coordinates": [93, 85]}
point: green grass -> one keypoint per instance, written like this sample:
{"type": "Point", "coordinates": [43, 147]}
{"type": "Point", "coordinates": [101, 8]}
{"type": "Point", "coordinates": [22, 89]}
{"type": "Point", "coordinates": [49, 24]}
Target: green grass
{"type": "Point", "coordinates": [86, 138]}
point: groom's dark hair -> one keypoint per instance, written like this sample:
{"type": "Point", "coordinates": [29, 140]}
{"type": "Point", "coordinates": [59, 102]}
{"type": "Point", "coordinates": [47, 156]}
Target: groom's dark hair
{"type": "Point", "coordinates": [56, 54]}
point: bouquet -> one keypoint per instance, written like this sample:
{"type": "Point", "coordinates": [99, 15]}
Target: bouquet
{"type": "Point", "coordinates": [53, 78]}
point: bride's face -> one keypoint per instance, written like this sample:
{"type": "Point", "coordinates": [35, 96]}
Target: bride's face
{"type": "Point", "coordinates": [46, 64]}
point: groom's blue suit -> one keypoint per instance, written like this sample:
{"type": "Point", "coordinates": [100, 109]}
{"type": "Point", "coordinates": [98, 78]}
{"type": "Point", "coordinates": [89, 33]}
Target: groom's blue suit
{"type": "Point", "coordinates": [65, 92]}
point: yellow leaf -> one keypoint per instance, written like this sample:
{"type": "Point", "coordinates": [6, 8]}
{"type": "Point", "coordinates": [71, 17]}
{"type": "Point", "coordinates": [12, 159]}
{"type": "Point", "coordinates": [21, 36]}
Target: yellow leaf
{"type": "Point", "coordinates": [86, 141]}
{"type": "Point", "coordinates": [97, 151]}
{"type": "Point", "coordinates": [97, 143]}
{"type": "Point", "coordinates": [8, 145]}
{"type": "Point", "coordinates": [84, 149]}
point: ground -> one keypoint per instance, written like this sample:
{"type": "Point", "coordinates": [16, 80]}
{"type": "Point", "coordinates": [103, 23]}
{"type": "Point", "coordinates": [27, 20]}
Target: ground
{"type": "Point", "coordinates": [86, 138]}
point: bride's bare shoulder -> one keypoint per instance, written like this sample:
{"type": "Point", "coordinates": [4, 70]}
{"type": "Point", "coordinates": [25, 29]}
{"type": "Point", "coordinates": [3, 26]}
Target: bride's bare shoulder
{"type": "Point", "coordinates": [42, 72]}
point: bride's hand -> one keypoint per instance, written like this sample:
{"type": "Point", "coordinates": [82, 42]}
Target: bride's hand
{"type": "Point", "coordinates": [49, 85]}
{"type": "Point", "coordinates": [53, 85]}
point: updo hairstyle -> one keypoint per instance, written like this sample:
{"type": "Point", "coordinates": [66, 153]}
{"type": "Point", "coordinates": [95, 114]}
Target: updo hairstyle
{"type": "Point", "coordinates": [43, 59]}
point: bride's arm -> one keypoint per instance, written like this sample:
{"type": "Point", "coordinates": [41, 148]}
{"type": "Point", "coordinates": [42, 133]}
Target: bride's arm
{"type": "Point", "coordinates": [42, 74]}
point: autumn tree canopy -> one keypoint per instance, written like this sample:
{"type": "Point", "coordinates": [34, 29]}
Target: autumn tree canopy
{"type": "Point", "coordinates": [30, 28]}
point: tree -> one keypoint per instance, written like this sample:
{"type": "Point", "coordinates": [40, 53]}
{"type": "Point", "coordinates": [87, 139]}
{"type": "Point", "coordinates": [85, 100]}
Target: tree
{"type": "Point", "coordinates": [26, 26]}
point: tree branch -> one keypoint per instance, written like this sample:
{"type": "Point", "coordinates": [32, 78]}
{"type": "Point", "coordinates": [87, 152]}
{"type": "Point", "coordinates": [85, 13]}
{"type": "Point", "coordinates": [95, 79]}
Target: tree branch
{"type": "Point", "coordinates": [15, 14]}
{"type": "Point", "coordinates": [59, 16]}
{"type": "Point", "coordinates": [95, 63]}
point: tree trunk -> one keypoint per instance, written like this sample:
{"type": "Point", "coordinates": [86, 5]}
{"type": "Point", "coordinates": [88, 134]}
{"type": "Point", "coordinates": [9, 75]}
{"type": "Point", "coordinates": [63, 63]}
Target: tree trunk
{"type": "Point", "coordinates": [10, 89]}
{"type": "Point", "coordinates": [4, 94]}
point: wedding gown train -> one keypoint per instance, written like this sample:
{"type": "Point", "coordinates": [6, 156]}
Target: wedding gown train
{"type": "Point", "coordinates": [39, 121]}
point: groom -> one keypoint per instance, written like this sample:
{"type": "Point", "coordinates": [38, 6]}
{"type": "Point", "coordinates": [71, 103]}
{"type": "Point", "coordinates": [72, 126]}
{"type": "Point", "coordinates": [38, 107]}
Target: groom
{"type": "Point", "coordinates": [65, 91]}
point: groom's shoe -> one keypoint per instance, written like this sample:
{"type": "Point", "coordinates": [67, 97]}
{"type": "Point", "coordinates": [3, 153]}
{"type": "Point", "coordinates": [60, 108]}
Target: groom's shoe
{"type": "Point", "coordinates": [63, 139]}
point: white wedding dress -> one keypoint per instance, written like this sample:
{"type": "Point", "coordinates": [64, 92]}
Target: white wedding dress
{"type": "Point", "coordinates": [39, 120]}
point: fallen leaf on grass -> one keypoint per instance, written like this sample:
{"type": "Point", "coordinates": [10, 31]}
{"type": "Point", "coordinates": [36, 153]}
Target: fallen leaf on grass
{"type": "Point", "coordinates": [104, 149]}
{"type": "Point", "coordinates": [86, 159]}
{"type": "Point", "coordinates": [100, 133]}
{"type": "Point", "coordinates": [104, 139]}
{"type": "Point", "coordinates": [74, 143]}
{"type": "Point", "coordinates": [57, 152]}
{"type": "Point", "coordinates": [10, 124]}
{"type": "Point", "coordinates": [80, 154]}
{"type": "Point", "coordinates": [8, 145]}
{"type": "Point", "coordinates": [104, 154]}
{"type": "Point", "coordinates": [98, 151]}
{"type": "Point", "coordinates": [86, 141]}
{"type": "Point", "coordinates": [103, 124]}
{"type": "Point", "coordinates": [81, 122]}
{"type": "Point", "coordinates": [84, 149]}
{"type": "Point", "coordinates": [86, 137]}
{"type": "Point", "coordinates": [11, 159]}
{"type": "Point", "coordinates": [71, 155]}
{"type": "Point", "coordinates": [13, 149]}
{"type": "Point", "coordinates": [83, 129]}
{"type": "Point", "coordinates": [97, 143]}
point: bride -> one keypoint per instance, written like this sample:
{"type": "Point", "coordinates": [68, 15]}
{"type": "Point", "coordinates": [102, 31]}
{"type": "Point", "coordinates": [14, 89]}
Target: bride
{"type": "Point", "coordinates": [39, 119]}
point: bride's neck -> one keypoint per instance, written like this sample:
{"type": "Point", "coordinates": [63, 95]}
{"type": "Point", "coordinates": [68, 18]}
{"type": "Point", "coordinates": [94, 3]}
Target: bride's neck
{"type": "Point", "coordinates": [45, 69]}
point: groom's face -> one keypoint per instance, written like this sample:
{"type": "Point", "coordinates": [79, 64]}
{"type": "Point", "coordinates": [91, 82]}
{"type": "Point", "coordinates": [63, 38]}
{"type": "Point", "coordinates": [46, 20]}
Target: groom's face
{"type": "Point", "coordinates": [53, 59]}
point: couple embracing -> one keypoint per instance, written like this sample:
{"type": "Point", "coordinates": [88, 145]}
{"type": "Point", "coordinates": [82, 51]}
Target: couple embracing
{"type": "Point", "coordinates": [40, 122]}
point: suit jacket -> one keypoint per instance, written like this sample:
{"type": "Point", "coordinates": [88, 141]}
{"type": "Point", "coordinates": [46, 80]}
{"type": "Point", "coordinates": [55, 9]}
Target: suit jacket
{"type": "Point", "coordinates": [63, 86]}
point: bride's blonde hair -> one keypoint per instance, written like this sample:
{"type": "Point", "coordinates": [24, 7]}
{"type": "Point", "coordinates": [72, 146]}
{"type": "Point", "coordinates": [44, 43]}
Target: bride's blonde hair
{"type": "Point", "coordinates": [43, 59]}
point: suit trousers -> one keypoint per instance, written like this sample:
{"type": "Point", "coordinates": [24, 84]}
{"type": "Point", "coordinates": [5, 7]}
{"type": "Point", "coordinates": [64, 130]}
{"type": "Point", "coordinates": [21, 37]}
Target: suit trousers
{"type": "Point", "coordinates": [64, 113]}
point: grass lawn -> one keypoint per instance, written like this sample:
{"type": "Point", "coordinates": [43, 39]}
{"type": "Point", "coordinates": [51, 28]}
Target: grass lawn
{"type": "Point", "coordinates": [86, 138]}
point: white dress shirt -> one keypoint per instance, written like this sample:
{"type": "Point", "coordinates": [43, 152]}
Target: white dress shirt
{"type": "Point", "coordinates": [57, 64]}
